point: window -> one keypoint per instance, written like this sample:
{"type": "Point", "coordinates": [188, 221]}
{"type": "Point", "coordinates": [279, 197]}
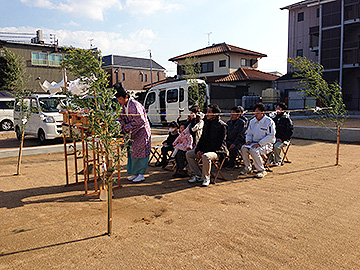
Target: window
{"type": "Point", "coordinates": [38, 58]}
{"type": "Point", "coordinates": [222, 63]}
{"type": "Point", "coordinates": [54, 59]}
{"type": "Point", "coordinates": [158, 76]}
{"type": "Point", "coordinates": [318, 13]}
{"type": "Point", "coordinates": [145, 77]}
{"type": "Point", "coordinates": [123, 76]}
{"type": "Point", "coordinates": [141, 77]}
{"type": "Point", "coordinates": [150, 99]}
{"type": "Point", "coordinates": [172, 95]}
{"type": "Point", "coordinates": [207, 67]}
{"type": "Point", "coordinates": [181, 95]}
{"type": "Point", "coordinates": [300, 16]}
{"type": "Point", "coordinates": [243, 62]}
{"type": "Point", "coordinates": [300, 53]}
{"type": "Point", "coordinates": [6, 104]}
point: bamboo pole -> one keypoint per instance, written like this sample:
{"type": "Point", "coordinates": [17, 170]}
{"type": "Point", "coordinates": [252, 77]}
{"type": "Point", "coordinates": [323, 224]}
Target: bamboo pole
{"type": "Point", "coordinates": [109, 180]}
{"type": "Point", "coordinates": [337, 145]}
{"type": "Point", "coordinates": [20, 153]}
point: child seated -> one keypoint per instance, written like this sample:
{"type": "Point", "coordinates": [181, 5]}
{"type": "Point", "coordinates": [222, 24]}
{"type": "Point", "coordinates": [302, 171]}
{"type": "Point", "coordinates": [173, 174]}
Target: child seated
{"type": "Point", "coordinates": [182, 144]}
{"type": "Point", "coordinates": [168, 144]}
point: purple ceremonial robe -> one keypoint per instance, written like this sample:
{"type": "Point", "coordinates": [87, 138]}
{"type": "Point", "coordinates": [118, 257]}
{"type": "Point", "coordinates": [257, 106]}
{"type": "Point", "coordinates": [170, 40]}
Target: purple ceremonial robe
{"type": "Point", "coordinates": [135, 122]}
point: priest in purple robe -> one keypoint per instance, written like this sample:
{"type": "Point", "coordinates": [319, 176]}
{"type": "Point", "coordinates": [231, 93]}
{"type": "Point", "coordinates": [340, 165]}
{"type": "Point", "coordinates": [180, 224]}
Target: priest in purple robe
{"type": "Point", "coordinates": [134, 122]}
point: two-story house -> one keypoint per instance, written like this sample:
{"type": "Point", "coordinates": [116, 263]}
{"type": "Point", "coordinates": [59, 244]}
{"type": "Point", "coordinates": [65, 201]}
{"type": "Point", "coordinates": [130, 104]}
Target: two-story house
{"type": "Point", "coordinates": [230, 71]}
{"type": "Point", "coordinates": [133, 72]}
{"type": "Point", "coordinates": [328, 32]}
{"type": "Point", "coordinates": [42, 61]}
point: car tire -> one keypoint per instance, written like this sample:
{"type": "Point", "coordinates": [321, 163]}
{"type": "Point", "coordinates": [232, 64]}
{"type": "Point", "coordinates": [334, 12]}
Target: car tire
{"type": "Point", "coordinates": [18, 134]}
{"type": "Point", "coordinates": [6, 125]}
{"type": "Point", "coordinates": [41, 136]}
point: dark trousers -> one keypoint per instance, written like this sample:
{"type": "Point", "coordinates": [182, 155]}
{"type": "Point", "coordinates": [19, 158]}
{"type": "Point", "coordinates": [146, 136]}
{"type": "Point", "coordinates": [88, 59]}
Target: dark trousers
{"type": "Point", "coordinates": [233, 153]}
{"type": "Point", "coordinates": [180, 159]}
{"type": "Point", "coordinates": [164, 151]}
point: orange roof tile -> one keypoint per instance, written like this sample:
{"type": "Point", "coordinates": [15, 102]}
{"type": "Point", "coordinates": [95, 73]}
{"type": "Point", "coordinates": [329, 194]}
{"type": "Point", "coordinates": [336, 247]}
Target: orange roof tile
{"type": "Point", "coordinates": [245, 74]}
{"type": "Point", "coordinates": [217, 49]}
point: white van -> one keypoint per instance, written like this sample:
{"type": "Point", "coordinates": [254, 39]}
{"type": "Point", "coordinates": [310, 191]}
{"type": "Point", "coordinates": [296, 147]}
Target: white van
{"type": "Point", "coordinates": [6, 113]}
{"type": "Point", "coordinates": [169, 102]}
{"type": "Point", "coordinates": [46, 120]}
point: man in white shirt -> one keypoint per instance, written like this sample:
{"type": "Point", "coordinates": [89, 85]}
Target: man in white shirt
{"type": "Point", "coordinates": [260, 137]}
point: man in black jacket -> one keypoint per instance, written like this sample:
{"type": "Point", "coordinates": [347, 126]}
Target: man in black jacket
{"type": "Point", "coordinates": [284, 131]}
{"type": "Point", "coordinates": [235, 134]}
{"type": "Point", "coordinates": [211, 146]}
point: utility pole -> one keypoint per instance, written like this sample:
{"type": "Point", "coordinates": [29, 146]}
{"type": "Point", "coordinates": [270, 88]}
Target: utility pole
{"type": "Point", "coordinates": [151, 78]}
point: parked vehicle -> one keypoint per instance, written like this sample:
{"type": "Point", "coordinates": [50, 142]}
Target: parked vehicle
{"type": "Point", "coordinates": [45, 121]}
{"type": "Point", "coordinates": [169, 102]}
{"type": "Point", "coordinates": [6, 113]}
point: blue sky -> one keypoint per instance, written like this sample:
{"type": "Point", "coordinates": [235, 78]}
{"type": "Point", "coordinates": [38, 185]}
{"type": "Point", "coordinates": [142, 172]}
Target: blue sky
{"type": "Point", "coordinates": [168, 27]}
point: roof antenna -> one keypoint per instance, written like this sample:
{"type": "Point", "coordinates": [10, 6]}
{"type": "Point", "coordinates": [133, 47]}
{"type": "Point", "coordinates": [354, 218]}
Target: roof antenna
{"type": "Point", "coordinates": [209, 37]}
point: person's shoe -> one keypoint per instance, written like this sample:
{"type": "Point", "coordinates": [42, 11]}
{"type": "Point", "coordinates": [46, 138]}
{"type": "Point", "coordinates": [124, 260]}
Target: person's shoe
{"type": "Point", "coordinates": [206, 182]}
{"type": "Point", "coordinates": [261, 174]}
{"type": "Point", "coordinates": [164, 164]}
{"type": "Point", "coordinates": [277, 163]}
{"type": "Point", "coordinates": [132, 177]}
{"type": "Point", "coordinates": [245, 171]}
{"type": "Point", "coordinates": [139, 178]}
{"type": "Point", "coordinates": [195, 179]}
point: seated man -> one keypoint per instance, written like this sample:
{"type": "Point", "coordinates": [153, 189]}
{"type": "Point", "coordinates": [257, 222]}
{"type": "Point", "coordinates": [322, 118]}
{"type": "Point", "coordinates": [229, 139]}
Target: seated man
{"type": "Point", "coordinates": [211, 146]}
{"type": "Point", "coordinates": [260, 137]}
{"type": "Point", "coordinates": [284, 131]}
{"type": "Point", "coordinates": [168, 144]}
{"type": "Point", "coordinates": [235, 134]}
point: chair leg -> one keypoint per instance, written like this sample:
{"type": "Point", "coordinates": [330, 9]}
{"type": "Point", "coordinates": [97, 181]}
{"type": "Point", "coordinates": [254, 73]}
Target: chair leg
{"type": "Point", "coordinates": [266, 159]}
{"type": "Point", "coordinates": [218, 168]}
{"type": "Point", "coordinates": [285, 155]}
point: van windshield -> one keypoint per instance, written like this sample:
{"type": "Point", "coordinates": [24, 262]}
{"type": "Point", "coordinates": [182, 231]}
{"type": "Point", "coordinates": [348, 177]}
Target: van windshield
{"type": "Point", "coordinates": [52, 104]}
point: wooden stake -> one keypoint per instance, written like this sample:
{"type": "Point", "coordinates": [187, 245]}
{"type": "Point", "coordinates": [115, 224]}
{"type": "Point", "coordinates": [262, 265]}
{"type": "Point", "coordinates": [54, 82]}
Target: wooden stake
{"type": "Point", "coordinates": [338, 146]}
{"type": "Point", "coordinates": [20, 153]}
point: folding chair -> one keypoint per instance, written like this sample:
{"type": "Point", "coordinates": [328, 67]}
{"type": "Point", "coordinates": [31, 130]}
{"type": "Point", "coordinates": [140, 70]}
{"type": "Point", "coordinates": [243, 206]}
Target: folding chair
{"type": "Point", "coordinates": [218, 164]}
{"type": "Point", "coordinates": [285, 158]}
{"type": "Point", "coordinates": [154, 153]}
{"type": "Point", "coordinates": [266, 158]}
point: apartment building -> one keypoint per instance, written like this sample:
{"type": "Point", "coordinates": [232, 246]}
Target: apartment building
{"type": "Point", "coordinates": [328, 32]}
{"type": "Point", "coordinates": [133, 72]}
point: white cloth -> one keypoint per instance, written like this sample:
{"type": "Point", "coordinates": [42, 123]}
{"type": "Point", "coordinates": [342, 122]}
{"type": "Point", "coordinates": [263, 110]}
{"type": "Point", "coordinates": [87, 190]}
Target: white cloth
{"type": "Point", "coordinates": [261, 132]}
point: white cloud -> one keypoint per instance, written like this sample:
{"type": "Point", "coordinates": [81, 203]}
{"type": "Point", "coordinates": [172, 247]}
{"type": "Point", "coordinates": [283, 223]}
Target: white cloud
{"type": "Point", "coordinates": [149, 6]}
{"type": "Point", "coordinates": [71, 23]}
{"type": "Point", "coordinates": [89, 8]}
{"type": "Point", "coordinates": [107, 42]}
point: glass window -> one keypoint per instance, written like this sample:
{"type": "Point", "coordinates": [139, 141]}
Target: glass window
{"type": "Point", "coordinates": [181, 95]}
{"type": "Point", "coordinates": [300, 16]}
{"type": "Point", "coordinates": [55, 59]}
{"type": "Point", "coordinates": [150, 99]}
{"type": "Point", "coordinates": [52, 104]}
{"type": "Point", "coordinates": [123, 76]}
{"type": "Point", "coordinates": [243, 62]}
{"type": "Point", "coordinates": [141, 77]}
{"type": "Point", "coordinates": [6, 104]}
{"type": "Point", "coordinates": [158, 76]}
{"type": "Point", "coordinates": [299, 53]}
{"type": "Point", "coordinates": [207, 67]}
{"type": "Point", "coordinates": [172, 95]}
{"type": "Point", "coordinates": [222, 63]}
{"type": "Point", "coordinates": [145, 77]}
{"type": "Point", "coordinates": [38, 58]}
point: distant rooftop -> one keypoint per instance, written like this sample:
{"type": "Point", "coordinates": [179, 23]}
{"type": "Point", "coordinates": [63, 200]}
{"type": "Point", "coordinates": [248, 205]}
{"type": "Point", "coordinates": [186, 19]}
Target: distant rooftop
{"type": "Point", "coordinates": [305, 3]}
{"type": "Point", "coordinates": [245, 74]}
{"type": "Point", "coordinates": [217, 49]}
{"type": "Point", "coordinates": [127, 61]}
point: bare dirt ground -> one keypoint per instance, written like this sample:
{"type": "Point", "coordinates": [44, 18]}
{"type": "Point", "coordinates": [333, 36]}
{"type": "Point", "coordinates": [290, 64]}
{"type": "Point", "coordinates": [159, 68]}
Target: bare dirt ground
{"type": "Point", "coordinates": [303, 215]}
{"type": "Point", "coordinates": [349, 123]}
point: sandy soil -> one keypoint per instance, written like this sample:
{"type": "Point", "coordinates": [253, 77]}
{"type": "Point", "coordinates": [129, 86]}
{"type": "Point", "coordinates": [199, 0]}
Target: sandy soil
{"type": "Point", "coordinates": [303, 215]}
{"type": "Point", "coordinates": [349, 123]}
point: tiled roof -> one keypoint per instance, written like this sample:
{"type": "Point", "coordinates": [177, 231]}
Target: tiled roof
{"type": "Point", "coordinates": [217, 49]}
{"type": "Point", "coordinates": [246, 74]}
{"type": "Point", "coordinates": [126, 61]}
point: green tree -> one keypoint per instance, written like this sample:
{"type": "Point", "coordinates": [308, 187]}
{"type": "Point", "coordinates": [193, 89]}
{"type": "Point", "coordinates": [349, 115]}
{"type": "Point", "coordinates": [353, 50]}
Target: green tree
{"type": "Point", "coordinates": [313, 84]}
{"type": "Point", "coordinates": [196, 92]}
{"type": "Point", "coordinates": [101, 113]}
{"type": "Point", "coordinates": [13, 78]}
